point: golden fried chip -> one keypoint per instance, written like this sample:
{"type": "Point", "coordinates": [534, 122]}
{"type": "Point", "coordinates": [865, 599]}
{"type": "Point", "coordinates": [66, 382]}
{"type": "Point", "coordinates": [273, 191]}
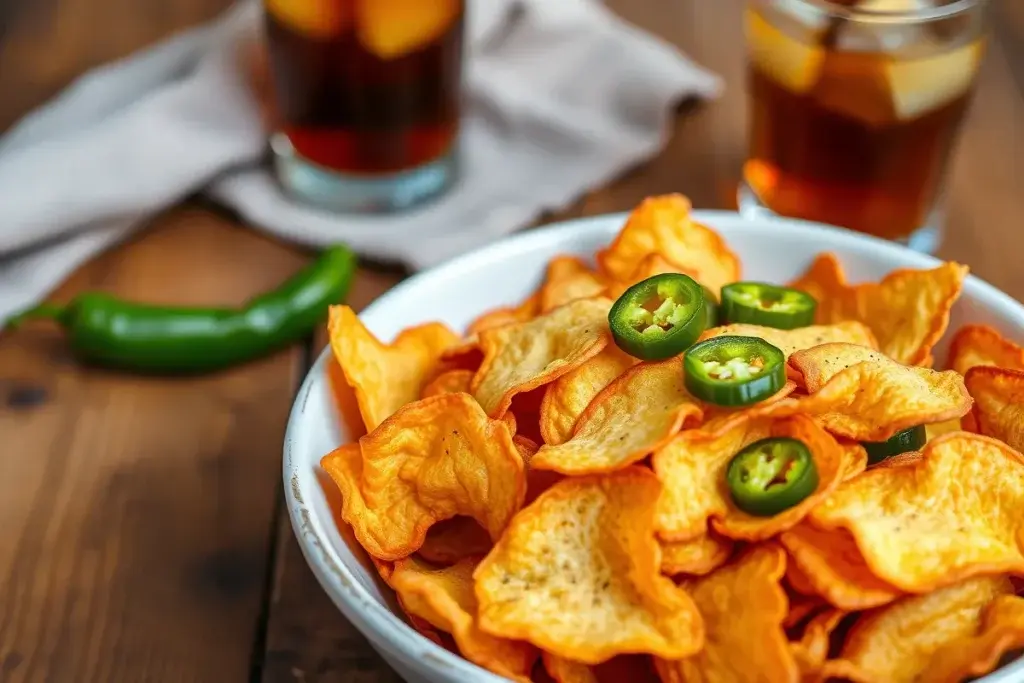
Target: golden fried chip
{"type": "Point", "coordinates": [345, 401]}
{"type": "Point", "coordinates": [800, 606]}
{"type": "Point", "coordinates": [385, 377]}
{"type": "Point", "coordinates": [698, 556]}
{"type": "Point", "coordinates": [506, 315]}
{"type": "Point", "coordinates": [649, 266]}
{"type": "Point", "coordinates": [421, 626]}
{"type": "Point", "coordinates": [975, 345]}
{"type": "Point", "coordinates": [896, 643]}
{"type": "Point", "coordinates": [620, 669]}
{"type": "Point", "coordinates": [811, 650]}
{"type": "Point", "coordinates": [801, 338]}
{"type": "Point", "coordinates": [1001, 631]}
{"type": "Point", "coordinates": [861, 394]}
{"type": "Point", "coordinates": [432, 460]}
{"type": "Point", "coordinates": [855, 459]}
{"type": "Point", "coordinates": [743, 606]}
{"type": "Point", "coordinates": [834, 569]}
{"type": "Point", "coordinates": [826, 282]}
{"type": "Point", "coordinates": [663, 225]}
{"type": "Point", "coordinates": [584, 553]}
{"type": "Point", "coordinates": [568, 279]}
{"type": "Point", "coordinates": [449, 382]}
{"type": "Point", "coordinates": [523, 356]}
{"type": "Point", "coordinates": [998, 403]}
{"type": "Point", "coordinates": [445, 599]}
{"type": "Point", "coordinates": [569, 395]}
{"type": "Point", "coordinates": [936, 429]}
{"type": "Point", "coordinates": [720, 419]}
{"type": "Point", "coordinates": [564, 670]}
{"type": "Point", "coordinates": [949, 514]}
{"type": "Point", "coordinates": [634, 415]}
{"type": "Point", "coordinates": [455, 539]}
{"type": "Point", "coordinates": [693, 472]}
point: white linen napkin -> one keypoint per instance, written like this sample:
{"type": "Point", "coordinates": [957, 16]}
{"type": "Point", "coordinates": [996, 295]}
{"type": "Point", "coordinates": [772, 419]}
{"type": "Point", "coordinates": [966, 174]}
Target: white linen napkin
{"type": "Point", "coordinates": [561, 95]}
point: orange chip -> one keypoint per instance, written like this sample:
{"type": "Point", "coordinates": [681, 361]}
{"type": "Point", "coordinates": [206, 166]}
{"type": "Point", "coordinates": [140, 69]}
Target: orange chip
{"type": "Point", "coordinates": [662, 225]}
{"type": "Point", "coordinates": [506, 315]}
{"type": "Point", "coordinates": [564, 670]}
{"type": "Point", "coordinates": [449, 382]}
{"type": "Point", "coordinates": [951, 513]}
{"type": "Point", "coordinates": [523, 356]}
{"type": "Point", "coordinates": [620, 669]}
{"type": "Point", "coordinates": [421, 626]}
{"type": "Point", "coordinates": [834, 569]}
{"type": "Point", "coordinates": [445, 599]}
{"type": "Point", "coordinates": [719, 419]}
{"type": "Point", "coordinates": [385, 377]}
{"type": "Point", "coordinates": [743, 606]}
{"type": "Point", "coordinates": [649, 266]}
{"type": "Point", "coordinates": [1001, 631]}
{"type": "Point", "coordinates": [455, 539]}
{"type": "Point", "coordinates": [568, 279]}
{"type": "Point", "coordinates": [936, 429]}
{"type": "Point", "coordinates": [861, 394]}
{"type": "Point", "coordinates": [584, 553]}
{"type": "Point", "coordinates": [896, 643]}
{"type": "Point", "coordinates": [693, 472]}
{"type": "Point", "coordinates": [826, 281]}
{"type": "Point", "coordinates": [432, 460]}
{"type": "Point", "coordinates": [698, 556]}
{"type": "Point", "coordinates": [811, 650]}
{"type": "Point", "coordinates": [975, 345]}
{"type": "Point", "coordinates": [631, 417]}
{"type": "Point", "coordinates": [800, 606]}
{"type": "Point", "coordinates": [855, 459]}
{"type": "Point", "coordinates": [998, 403]}
{"type": "Point", "coordinates": [569, 395]}
{"type": "Point", "coordinates": [345, 401]}
{"type": "Point", "coordinates": [801, 338]}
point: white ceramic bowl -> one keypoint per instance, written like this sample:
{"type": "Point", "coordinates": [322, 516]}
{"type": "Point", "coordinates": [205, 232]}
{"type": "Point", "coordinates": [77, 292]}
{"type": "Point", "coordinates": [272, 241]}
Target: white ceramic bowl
{"type": "Point", "coordinates": [775, 250]}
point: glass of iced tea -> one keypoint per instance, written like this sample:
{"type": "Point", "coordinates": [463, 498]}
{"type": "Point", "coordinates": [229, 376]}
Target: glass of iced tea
{"type": "Point", "coordinates": [367, 99]}
{"type": "Point", "coordinates": [855, 107]}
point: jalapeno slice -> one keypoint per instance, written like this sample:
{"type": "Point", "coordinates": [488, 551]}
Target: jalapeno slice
{"type": "Point", "coordinates": [734, 371]}
{"type": "Point", "coordinates": [771, 475]}
{"type": "Point", "coordinates": [901, 442]}
{"type": "Point", "coordinates": [659, 317]}
{"type": "Point", "coordinates": [711, 308]}
{"type": "Point", "coordinates": [759, 303]}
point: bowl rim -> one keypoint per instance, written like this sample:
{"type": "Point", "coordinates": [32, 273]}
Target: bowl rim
{"type": "Point", "coordinates": [345, 591]}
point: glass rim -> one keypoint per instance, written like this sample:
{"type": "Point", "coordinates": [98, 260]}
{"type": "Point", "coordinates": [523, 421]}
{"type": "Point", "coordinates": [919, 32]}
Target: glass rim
{"type": "Point", "coordinates": [886, 16]}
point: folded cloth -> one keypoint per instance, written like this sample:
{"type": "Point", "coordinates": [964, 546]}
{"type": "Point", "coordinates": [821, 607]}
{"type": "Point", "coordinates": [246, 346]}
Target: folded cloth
{"type": "Point", "coordinates": [561, 96]}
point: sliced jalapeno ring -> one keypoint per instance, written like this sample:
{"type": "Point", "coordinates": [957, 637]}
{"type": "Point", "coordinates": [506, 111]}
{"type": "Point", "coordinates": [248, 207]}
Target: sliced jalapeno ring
{"type": "Point", "coordinates": [659, 317]}
{"type": "Point", "coordinates": [733, 370]}
{"type": "Point", "coordinates": [771, 475]}
{"type": "Point", "coordinates": [901, 442]}
{"type": "Point", "coordinates": [759, 303]}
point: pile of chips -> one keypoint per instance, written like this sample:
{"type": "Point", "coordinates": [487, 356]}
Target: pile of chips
{"type": "Point", "coordinates": [553, 508]}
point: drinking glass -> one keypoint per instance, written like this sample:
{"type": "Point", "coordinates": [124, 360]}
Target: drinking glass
{"type": "Point", "coordinates": [854, 109]}
{"type": "Point", "coordinates": [367, 99]}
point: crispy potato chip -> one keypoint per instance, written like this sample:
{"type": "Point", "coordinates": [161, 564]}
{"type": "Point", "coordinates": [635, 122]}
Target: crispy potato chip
{"type": "Point", "coordinates": [801, 338]}
{"type": "Point", "coordinates": [455, 539]}
{"type": "Point", "coordinates": [811, 650]}
{"type": "Point", "coordinates": [743, 606]}
{"type": "Point", "coordinates": [896, 643]}
{"type": "Point", "coordinates": [464, 355]}
{"type": "Point", "coordinates": [445, 599]}
{"type": "Point", "coordinates": [385, 377]}
{"type": "Point", "coordinates": [698, 556]}
{"type": "Point", "coordinates": [505, 316]}
{"type": "Point", "coordinates": [975, 345]}
{"type": "Point", "coordinates": [720, 419]}
{"type": "Point", "coordinates": [998, 403]}
{"type": "Point", "coordinates": [834, 569]}
{"type": "Point", "coordinates": [432, 460]}
{"type": "Point", "coordinates": [855, 459]}
{"type": "Point", "coordinates": [568, 279]}
{"type": "Point", "coordinates": [861, 394]}
{"type": "Point", "coordinates": [345, 401]}
{"type": "Point", "coordinates": [523, 356]}
{"type": "Point", "coordinates": [569, 395]}
{"type": "Point", "coordinates": [649, 266]}
{"type": "Point", "coordinates": [564, 670]}
{"type": "Point", "coordinates": [908, 311]}
{"type": "Point", "coordinates": [663, 225]}
{"type": "Point", "coordinates": [620, 669]}
{"type": "Point", "coordinates": [693, 472]}
{"type": "Point", "coordinates": [633, 416]}
{"type": "Point", "coordinates": [421, 626]}
{"type": "Point", "coordinates": [949, 514]}
{"type": "Point", "coordinates": [584, 553]}
{"type": "Point", "coordinates": [936, 429]}
{"type": "Point", "coordinates": [800, 606]}
{"type": "Point", "coordinates": [449, 382]}
{"type": "Point", "coordinates": [1001, 631]}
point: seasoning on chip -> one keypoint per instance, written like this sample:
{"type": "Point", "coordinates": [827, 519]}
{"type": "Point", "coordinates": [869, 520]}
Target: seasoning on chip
{"type": "Point", "coordinates": [634, 415]}
{"type": "Point", "coordinates": [453, 460]}
{"type": "Point", "coordinates": [444, 598]}
{"type": "Point", "coordinates": [951, 513]}
{"type": "Point", "coordinates": [743, 606]}
{"type": "Point", "coordinates": [584, 553]}
{"type": "Point", "coordinates": [385, 377]}
{"type": "Point", "coordinates": [522, 356]}
{"type": "Point", "coordinates": [998, 403]}
{"type": "Point", "coordinates": [975, 345]}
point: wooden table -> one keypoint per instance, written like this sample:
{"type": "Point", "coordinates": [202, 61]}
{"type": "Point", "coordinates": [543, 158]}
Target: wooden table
{"type": "Point", "coordinates": [142, 536]}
